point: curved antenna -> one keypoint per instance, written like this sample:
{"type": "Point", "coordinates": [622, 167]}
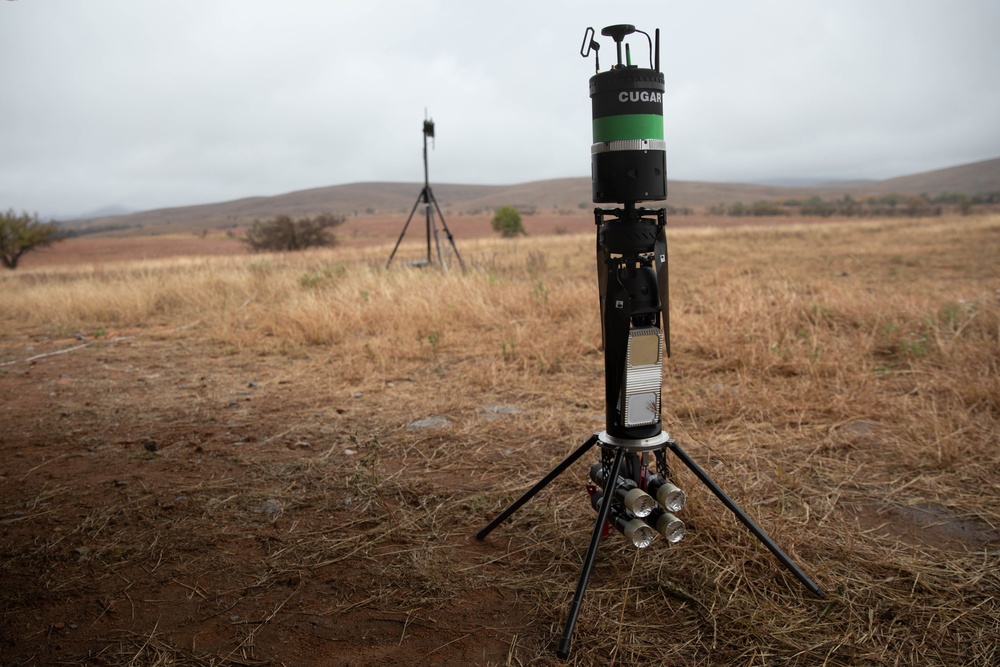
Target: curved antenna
{"type": "Point", "coordinates": [650, 40]}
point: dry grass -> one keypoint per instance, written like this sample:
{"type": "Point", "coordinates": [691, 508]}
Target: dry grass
{"type": "Point", "coordinates": [841, 381]}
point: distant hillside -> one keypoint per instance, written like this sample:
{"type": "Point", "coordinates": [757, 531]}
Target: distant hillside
{"type": "Point", "coordinates": [972, 179]}
{"type": "Point", "coordinates": [565, 194]}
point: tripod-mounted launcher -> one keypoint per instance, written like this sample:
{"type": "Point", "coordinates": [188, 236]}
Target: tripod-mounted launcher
{"type": "Point", "coordinates": [628, 166]}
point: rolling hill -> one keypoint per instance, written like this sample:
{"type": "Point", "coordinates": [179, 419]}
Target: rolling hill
{"type": "Point", "coordinates": [564, 194]}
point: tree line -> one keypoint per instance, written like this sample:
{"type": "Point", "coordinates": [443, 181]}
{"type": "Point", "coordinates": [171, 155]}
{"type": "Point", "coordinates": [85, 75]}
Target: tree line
{"type": "Point", "coordinates": [876, 206]}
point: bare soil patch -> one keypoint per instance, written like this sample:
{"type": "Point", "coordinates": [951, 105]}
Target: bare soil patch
{"type": "Point", "coordinates": [358, 232]}
{"type": "Point", "coordinates": [95, 250]}
{"type": "Point", "coordinates": [361, 231]}
{"type": "Point", "coordinates": [167, 499]}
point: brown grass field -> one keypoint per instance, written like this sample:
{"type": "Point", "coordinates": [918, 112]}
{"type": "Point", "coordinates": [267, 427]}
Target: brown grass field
{"type": "Point", "coordinates": [215, 460]}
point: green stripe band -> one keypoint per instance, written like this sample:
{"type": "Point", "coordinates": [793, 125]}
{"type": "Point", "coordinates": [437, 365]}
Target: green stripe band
{"type": "Point", "coordinates": [628, 126]}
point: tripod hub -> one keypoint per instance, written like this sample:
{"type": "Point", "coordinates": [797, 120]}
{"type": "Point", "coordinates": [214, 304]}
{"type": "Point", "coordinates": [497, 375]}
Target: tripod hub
{"type": "Point", "coordinates": [654, 443]}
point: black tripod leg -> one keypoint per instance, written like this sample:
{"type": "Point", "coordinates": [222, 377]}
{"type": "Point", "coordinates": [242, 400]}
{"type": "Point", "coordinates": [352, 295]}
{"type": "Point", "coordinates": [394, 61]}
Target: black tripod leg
{"type": "Point", "coordinates": [403, 233]}
{"type": "Point", "coordinates": [447, 232]}
{"type": "Point", "coordinates": [542, 483]}
{"type": "Point", "coordinates": [588, 562]}
{"type": "Point", "coordinates": [746, 520]}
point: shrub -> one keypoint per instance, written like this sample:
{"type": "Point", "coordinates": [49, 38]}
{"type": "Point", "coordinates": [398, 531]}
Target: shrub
{"type": "Point", "coordinates": [508, 222]}
{"type": "Point", "coordinates": [284, 233]}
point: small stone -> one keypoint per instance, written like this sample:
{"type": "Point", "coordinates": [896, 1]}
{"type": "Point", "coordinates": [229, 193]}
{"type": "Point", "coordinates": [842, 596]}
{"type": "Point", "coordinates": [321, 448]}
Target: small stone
{"type": "Point", "coordinates": [496, 411]}
{"type": "Point", "coordinates": [860, 427]}
{"type": "Point", "coordinates": [59, 626]}
{"type": "Point", "coordinates": [357, 394]}
{"type": "Point", "coordinates": [271, 507]}
{"type": "Point", "coordinates": [349, 452]}
{"type": "Point", "coordinates": [430, 422]}
{"type": "Point", "coordinates": [150, 445]}
{"type": "Point", "coordinates": [253, 385]}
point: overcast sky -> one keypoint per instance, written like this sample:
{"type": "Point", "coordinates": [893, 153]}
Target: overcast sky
{"type": "Point", "coordinates": [166, 103]}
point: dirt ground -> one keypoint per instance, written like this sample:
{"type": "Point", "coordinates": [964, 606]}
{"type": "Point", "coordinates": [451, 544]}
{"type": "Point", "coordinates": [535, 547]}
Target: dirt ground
{"type": "Point", "coordinates": [258, 547]}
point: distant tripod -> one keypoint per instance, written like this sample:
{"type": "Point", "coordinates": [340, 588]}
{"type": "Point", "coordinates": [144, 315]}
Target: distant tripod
{"type": "Point", "coordinates": [427, 197]}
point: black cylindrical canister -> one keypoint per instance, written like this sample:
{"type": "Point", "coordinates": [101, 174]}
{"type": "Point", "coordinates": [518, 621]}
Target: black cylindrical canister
{"type": "Point", "coordinates": [628, 156]}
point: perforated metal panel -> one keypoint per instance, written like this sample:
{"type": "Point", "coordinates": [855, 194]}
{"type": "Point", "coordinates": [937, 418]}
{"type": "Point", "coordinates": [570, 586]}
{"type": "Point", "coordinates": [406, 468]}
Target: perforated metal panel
{"type": "Point", "coordinates": [643, 377]}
